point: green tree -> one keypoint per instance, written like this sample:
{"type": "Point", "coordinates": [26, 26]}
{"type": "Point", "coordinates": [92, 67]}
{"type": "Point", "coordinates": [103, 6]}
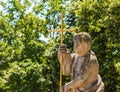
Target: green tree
{"type": "Point", "coordinates": [21, 30]}
{"type": "Point", "coordinates": [20, 42]}
{"type": "Point", "coordinates": [28, 63]}
{"type": "Point", "coordinates": [20, 36]}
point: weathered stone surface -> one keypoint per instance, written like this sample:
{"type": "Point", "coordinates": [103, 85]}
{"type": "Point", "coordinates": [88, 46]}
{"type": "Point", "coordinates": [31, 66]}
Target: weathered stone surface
{"type": "Point", "coordinates": [82, 65]}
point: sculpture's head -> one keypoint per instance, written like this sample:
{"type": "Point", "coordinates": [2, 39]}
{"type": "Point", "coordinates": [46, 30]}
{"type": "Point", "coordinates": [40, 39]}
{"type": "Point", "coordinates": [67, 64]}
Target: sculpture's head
{"type": "Point", "coordinates": [82, 43]}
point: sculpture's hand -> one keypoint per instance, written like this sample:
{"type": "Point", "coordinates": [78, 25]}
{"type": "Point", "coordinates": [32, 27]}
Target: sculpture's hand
{"type": "Point", "coordinates": [62, 49]}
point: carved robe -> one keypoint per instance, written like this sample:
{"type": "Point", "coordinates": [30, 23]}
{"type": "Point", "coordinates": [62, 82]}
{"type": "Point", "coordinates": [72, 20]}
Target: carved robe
{"type": "Point", "coordinates": [84, 72]}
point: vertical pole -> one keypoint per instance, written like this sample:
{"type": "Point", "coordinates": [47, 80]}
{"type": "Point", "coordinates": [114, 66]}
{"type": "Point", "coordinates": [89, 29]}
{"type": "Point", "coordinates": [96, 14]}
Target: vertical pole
{"type": "Point", "coordinates": [61, 74]}
{"type": "Point", "coordinates": [62, 22]}
{"type": "Point", "coordinates": [61, 55]}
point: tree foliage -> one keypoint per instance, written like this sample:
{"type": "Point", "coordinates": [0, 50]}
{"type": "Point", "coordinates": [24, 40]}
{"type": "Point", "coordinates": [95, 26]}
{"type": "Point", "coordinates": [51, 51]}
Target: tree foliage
{"type": "Point", "coordinates": [29, 63]}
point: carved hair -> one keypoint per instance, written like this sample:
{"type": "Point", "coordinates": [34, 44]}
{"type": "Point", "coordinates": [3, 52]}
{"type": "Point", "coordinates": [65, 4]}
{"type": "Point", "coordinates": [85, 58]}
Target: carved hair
{"type": "Point", "coordinates": [82, 36]}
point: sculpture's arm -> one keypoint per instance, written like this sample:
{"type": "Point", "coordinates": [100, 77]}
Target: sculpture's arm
{"type": "Point", "coordinates": [67, 61]}
{"type": "Point", "coordinates": [81, 81]}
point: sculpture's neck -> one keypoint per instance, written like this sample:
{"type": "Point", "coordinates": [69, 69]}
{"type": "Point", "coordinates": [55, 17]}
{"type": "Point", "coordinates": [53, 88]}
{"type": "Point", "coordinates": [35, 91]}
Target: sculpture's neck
{"type": "Point", "coordinates": [86, 55]}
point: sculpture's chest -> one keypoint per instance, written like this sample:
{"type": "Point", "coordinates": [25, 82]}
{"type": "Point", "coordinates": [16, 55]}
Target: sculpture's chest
{"type": "Point", "coordinates": [77, 66]}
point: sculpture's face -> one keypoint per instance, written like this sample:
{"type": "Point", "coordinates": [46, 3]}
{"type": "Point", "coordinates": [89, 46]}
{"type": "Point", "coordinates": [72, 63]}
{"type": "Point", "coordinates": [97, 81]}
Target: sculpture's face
{"type": "Point", "coordinates": [81, 47]}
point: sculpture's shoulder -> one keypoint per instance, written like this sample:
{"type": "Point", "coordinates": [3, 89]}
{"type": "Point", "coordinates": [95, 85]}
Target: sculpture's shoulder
{"type": "Point", "coordinates": [93, 58]}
